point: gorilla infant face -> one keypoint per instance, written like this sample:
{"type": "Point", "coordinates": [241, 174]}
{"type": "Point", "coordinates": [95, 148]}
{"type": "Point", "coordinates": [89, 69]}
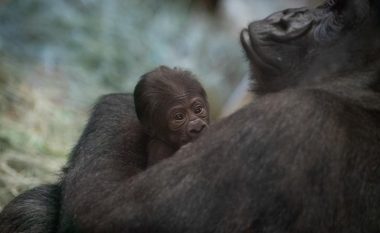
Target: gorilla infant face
{"type": "Point", "coordinates": [172, 106]}
{"type": "Point", "coordinates": [187, 118]}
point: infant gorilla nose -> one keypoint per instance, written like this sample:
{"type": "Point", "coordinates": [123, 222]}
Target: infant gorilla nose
{"type": "Point", "coordinates": [196, 128]}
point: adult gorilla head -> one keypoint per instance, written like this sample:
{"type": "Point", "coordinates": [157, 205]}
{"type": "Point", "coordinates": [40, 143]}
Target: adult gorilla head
{"type": "Point", "coordinates": [302, 47]}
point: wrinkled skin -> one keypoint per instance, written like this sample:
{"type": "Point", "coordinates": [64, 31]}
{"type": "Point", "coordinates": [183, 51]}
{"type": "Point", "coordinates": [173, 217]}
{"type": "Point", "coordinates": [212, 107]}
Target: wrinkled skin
{"type": "Point", "coordinates": [172, 106]}
{"type": "Point", "coordinates": [188, 117]}
{"type": "Point", "coordinates": [303, 157]}
{"type": "Point", "coordinates": [297, 47]}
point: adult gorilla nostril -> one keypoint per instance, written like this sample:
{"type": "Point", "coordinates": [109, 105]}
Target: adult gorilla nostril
{"type": "Point", "coordinates": [286, 11]}
{"type": "Point", "coordinates": [282, 24]}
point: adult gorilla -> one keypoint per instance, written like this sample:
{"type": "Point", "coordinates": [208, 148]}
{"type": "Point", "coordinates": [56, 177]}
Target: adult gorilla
{"type": "Point", "coordinates": [303, 157]}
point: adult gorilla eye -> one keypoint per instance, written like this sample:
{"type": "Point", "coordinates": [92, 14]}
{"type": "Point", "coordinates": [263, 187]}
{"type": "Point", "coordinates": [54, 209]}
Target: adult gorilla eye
{"type": "Point", "coordinates": [282, 24]}
{"type": "Point", "coordinates": [335, 4]}
{"type": "Point", "coordinates": [179, 116]}
{"type": "Point", "coordinates": [330, 2]}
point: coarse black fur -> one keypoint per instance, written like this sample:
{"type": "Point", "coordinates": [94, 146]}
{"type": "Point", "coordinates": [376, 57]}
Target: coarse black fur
{"type": "Point", "coordinates": [304, 157]}
{"type": "Point", "coordinates": [34, 211]}
{"type": "Point", "coordinates": [113, 131]}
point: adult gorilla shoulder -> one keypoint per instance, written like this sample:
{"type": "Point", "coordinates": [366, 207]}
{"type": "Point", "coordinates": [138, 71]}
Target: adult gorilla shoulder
{"type": "Point", "coordinates": [304, 157]}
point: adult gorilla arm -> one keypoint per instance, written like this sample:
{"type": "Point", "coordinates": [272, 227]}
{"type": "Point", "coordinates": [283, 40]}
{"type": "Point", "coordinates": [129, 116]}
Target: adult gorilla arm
{"type": "Point", "coordinates": [35, 211]}
{"type": "Point", "coordinates": [272, 174]}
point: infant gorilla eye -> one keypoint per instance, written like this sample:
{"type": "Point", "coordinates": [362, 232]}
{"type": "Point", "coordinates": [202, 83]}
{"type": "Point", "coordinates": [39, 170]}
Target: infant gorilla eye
{"type": "Point", "coordinates": [179, 116]}
{"type": "Point", "coordinates": [198, 109]}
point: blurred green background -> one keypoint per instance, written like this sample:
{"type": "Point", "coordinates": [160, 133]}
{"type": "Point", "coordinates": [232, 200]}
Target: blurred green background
{"type": "Point", "coordinates": [58, 56]}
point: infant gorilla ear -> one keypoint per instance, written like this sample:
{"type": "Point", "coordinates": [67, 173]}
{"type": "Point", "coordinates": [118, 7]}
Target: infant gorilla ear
{"type": "Point", "coordinates": [172, 106]}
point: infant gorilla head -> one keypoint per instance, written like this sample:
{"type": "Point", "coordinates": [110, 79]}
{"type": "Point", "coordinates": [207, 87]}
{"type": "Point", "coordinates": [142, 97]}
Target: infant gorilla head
{"type": "Point", "coordinates": [172, 106]}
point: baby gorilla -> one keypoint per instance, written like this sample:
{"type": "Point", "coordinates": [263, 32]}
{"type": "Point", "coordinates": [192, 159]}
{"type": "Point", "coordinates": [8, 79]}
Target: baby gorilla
{"type": "Point", "coordinates": [173, 109]}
